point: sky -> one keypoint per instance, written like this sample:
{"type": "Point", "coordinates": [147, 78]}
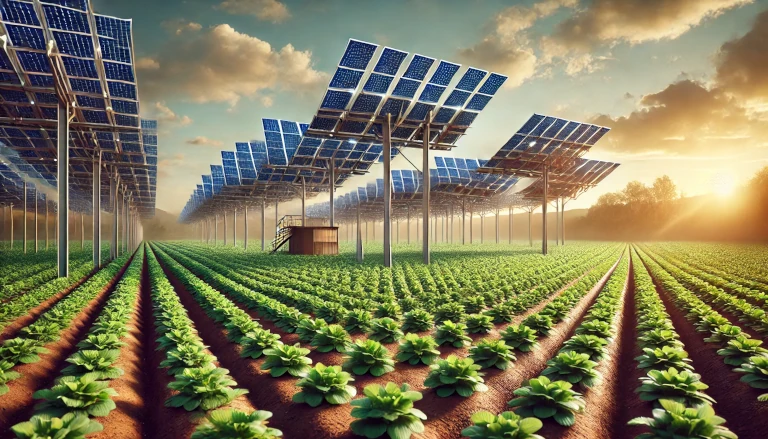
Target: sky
{"type": "Point", "coordinates": [682, 83]}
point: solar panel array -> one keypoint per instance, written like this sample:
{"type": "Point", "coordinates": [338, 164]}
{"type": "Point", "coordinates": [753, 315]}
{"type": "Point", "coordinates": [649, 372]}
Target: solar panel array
{"type": "Point", "coordinates": [570, 182]}
{"type": "Point", "coordinates": [460, 176]}
{"type": "Point", "coordinates": [92, 62]}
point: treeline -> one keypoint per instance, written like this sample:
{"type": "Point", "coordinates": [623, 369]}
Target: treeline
{"type": "Point", "coordinates": [658, 212]}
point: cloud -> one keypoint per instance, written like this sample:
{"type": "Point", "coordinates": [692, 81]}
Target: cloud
{"type": "Point", "coordinates": [742, 63]}
{"type": "Point", "coordinates": [265, 10]}
{"type": "Point", "coordinates": [147, 63]}
{"type": "Point", "coordinates": [202, 140]}
{"type": "Point", "coordinates": [179, 26]}
{"type": "Point", "coordinates": [506, 46]}
{"type": "Point", "coordinates": [168, 163]}
{"type": "Point", "coordinates": [163, 114]}
{"type": "Point", "coordinates": [267, 101]}
{"type": "Point", "coordinates": [220, 64]}
{"type": "Point", "coordinates": [686, 117]}
{"type": "Point", "coordinates": [632, 21]}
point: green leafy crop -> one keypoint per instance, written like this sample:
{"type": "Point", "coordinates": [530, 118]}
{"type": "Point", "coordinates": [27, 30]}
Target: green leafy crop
{"type": "Point", "coordinates": [284, 358]}
{"type": "Point", "coordinates": [417, 320]}
{"type": "Point", "coordinates": [540, 323]}
{"type": "Point", "coordinates": [205, 387]}
{"type": "Point", "coordinates": [21, 350]}
{"type": "Point", "coordinates": [415, 349]}
{"type": "Point", "coordinates": [683, 386]}
{"type": "Point", "coordinates": [455, 375]}
{"type": "Point", "coordinates": [95, 363]}
{"type": "Point", "coordinates": [492, 353]}
{"type": "Point", "coordinates": [573, 367]}
{"type": "Point", "coordinates": [327, 383]}
{"type": "Point", "coordinates": [663, 358]}
{"type": "Point", "coordinates": [308, 328]}
{"type": "Point", "coordinates": [358, 321]}
{"type": "Point", "coordinates": [254, 343]}
{"type": "Point", "coordinates": [676, 421]}
{"type": "Point", "coordinates": [186, 356]}
{"type": "Point", "coordinates": [385, 330]}
{"type": "Point", "coordinates": [452, 334]}
{"type": "Point", "coordinates": [234, 424]}
{"type": "Point", "coordinates": [520, 337]}
{"type": "Point", "coordinates": [501, 426]}
{"type": "Point", "coordinates": [387, 410]}
{"type": "Point", "coordinates": [331, 337]}
{"type": "Point", "coordinates": [368, 356]}
{"type": "Point", "coordinates": [543, 399]}
{"type": "Point", "coordinates": [82, 395]}
{"type": "Point", "coordinates": [479, 323]}
{"type": "Point", "coordinates": [69, 426]}
{"type": "Point", "coordinates": [756, 370]}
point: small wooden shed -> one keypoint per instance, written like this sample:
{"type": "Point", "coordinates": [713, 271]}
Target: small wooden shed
{"type": "Point", "coordinates": [321, 240]}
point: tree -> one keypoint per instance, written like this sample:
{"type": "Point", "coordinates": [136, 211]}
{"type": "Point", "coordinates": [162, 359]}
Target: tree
{"type": "Point", "coordinates": [664, 189]}
{"type": "Point", "coordinates": [636, 194]}
{"type": "Point", "coordinates": [611, 199]}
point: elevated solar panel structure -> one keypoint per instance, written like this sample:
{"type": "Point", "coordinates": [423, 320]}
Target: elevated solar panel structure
{"type": "Point", "coordinates": [64, 67]}
{"type": "Point", "coordinates": [460, 177]}
{"type": "Point", "coordinates": [574, 181]}
{"type": "Point", "coordinates": [548, 148]}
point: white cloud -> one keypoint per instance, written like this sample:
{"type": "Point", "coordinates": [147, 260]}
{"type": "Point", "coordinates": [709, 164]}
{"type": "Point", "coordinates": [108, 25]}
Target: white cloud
{"type": "Point", "coordinates": [267, 101]}
{"type": "Point", "coordinates": [179, 26]}
{"type": "Point", "coordinates": [265, 10]}
{"type": "Point", "coordinates": [202, 140]}
{"type": "Point", "coordinates": [147, 63]}
{"type": "Point", "coordinates": [221, 64]}
{"type": "Point", "coordinates": [163, 114]}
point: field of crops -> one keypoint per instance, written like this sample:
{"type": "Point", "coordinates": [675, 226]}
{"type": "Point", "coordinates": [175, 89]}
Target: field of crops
{"type": "Point", "coordinates": [182, 339]}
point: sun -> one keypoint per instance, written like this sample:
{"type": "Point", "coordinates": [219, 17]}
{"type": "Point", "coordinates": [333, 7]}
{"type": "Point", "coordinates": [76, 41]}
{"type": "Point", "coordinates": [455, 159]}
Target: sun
{"type": "Point", "coordinates": [723, 185]}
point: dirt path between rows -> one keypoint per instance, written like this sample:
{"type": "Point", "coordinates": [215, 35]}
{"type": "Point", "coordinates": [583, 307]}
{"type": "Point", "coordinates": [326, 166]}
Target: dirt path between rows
{"type": "Point", "coordinates": [17, 403]}
{"type": "Point", "coordinates": [735, 399]}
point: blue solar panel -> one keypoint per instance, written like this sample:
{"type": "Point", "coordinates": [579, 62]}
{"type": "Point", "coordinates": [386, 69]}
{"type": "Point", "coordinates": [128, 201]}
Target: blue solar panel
{"type": "Point", "coordinates": [80, 67]}
{"type": "Point", "coordinates": [478, 102]}
{"type": "Point", "coordinates": [127, 107]}
{"type": "Point", "coordinates": [406, 88]}
{"type": "Point", "coordinates": [18, 12]}
{"type": "Point", "coordinates": [34, 62]}
{"type": "Point", "coordinates": [114, 28]}
{"type": "Point", "coordinates": [126, 121]}
{"type": "Point", "coordinates": [456, 98]}
{"type": "Point", "coordinates": [366, 103]}
{"type": "Point", "coordinates": [74, 44]}
{"type": "Point", "coordinates": [66, 19]}
{"type": "Point", "coordinates": [378, 83]}
{"type": "Point", "coordinates": [346, 78]}
{"type": "Point", "coordinates": [95, 116]}
{"type": "Point", "coordinates": [289, 127]}
{"type": "Point", "coordinates": [471, 79]}
{"type": "Point", "coordinates": [351, 126]}
{"type": "Point", "coordinates": [14, 96]}
{"type": "Point", "coordinates": [431, 93]}
{"type": "Point", "coordinates": [357, 55]}
{"type": "Point", "coordinates": [554, 128]}
{"type": "Point", "coordinates": [540, 128]}
{"type": "Point", "coordinates": [86, 85]}
{"type": "Point", "coordinates": [46, 98]}
{"type": "Point", "coordinates": [122, 90]}
{"type": "Point", "coordinates": [394, 107]}
{"type": "Point", "coordinates": [323, 123]}
{"type": "Point", "coordinates": [89, 102]}
{"type": "Point", "coordinates": [336, 100]}
{"type": "Point", "coordinates": [118, 71]}
{"type": "Point", "coordinates": [23, 36]}
{"type": "Point", "coordinates": [9, 78]}
{"type": "Point", "coordinates": [419, 111]}
{"type": "Point", "coordinates": [492, 84]}
{"type": "Point", "coordinates": [444, 73]}
{"type": "Point", "coordinates": [389, 61]}
{"type": "Point", "coordinates": [418, 67]}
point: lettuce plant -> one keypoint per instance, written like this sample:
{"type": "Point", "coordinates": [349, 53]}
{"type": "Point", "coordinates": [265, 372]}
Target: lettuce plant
{"type": "Point", "coordinates": [591, 345]}
{"type": "Point", "coordinates": [284, 358]}
{"type": "Point", "coordinates": [234, 424]}
{"type": "Point", "coordinates": [504, 425]}
{"type": "Point", "coordinates": [95, 363]}
{"type": "Point", "coordinates": [501, 313]}
{"type": "Point", "coordinates": [683, 386]}
{"type": "Point", "coordinates": [308, 328]}
{"type": "Point", "coordinates": [69, 426]}
{"type": "Point", "coordinates": [455, 375]}
{"type": "Point", "coordinates": [658, 338]}
{"type": "Point", "coordinates": [417, 320]}
{"type": "Point", "coordinates": [520, 337]}
{"type": "Point", "coordinates": [256, 342]}
{"type": "Point", "coordinates": [101, 342]}
{"type": "Point", "coordinates": [756, 370]}
{"type": "Point", "coordinates": [82, 395]}
{"type": "Point", "coordinates": [186, 356]}
{"type": "Point", "coordinates": [388, 309]}
{"type": "Point", "coordinates": [451, 311]}
{"type": "Point", "coordinates": [358, 321]}
{"type": "Point", "coordinates": [540, 323]}
{"type": "Point", "coordinates": [663, 358]}
{"type": "Point", "coordinates": [240, 324]}
{"type": "Point", "coordinates": [595, 327]}
{"type": "Point", "coordinates": [42, 331]}
{"type": "Point", "coordinates": [543, 399]}
{"type": "Point", "coordinates": [331, 312]}
{"type": "Point", "coordinates": [327, 383]}
{"type": "Point", "coordinates": [368, 356]}
{"type": "Point", "coordinates": [723, 334]}
{"type": "Point", "coordinates": [452, 334]}
{"type": "Point", "coordinates": [675, 420]}
{"type": "Point", "coordinates": [331, 337]}
{"type": "Point", "coordinates": [176, 337]}
{"type": "Point", "coordinates": [415, 349]}
{"type": "Point", "coordinates": [572, 367]}
{"type": "Point", "coordinates": [710, 322]}
{"type": "Point", "coordinates": [492, 353]}
{"type": "Point", "coordinates": [21, 350]}
{"type": "Point", "coordinates": [387, 410]}
{"type": "Point", "coordinates": [6, 376]}
{"type": "Point", "coordinates": [385, 330]}
{"type": "Point", "coordinates": [740, 349]}
{"type": "Point", "coordinates": [205, 387]}
{"type": "Point", "coordinates": [479, 323]}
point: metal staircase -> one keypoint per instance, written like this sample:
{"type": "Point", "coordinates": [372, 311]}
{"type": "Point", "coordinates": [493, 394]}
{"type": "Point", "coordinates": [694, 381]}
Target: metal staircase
{"type": "Point", "coordinates": [284, 230]}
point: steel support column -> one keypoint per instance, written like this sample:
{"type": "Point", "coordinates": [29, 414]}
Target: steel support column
{"type": "Point", "coordinates": [35, 220]}
{"type": "Point", "coordinates": [96, 203]}
{"type": "Point", "coordinates": [82, 230]}
{"type": "Point", "coordinates": [386, 128]}
{"type": "Point", "coordinates": [24, 221]}
{"type": "Point", "coordinates": [482, 228]}
{"type": "Point", "coordinates": [425, 188]}
{"type": "Point", "coordinates": [471, 228]}
{"type": "Point", "coordinates": [562, 224]}
{"type": "Point", "coordinates": [331, 188]}
{"type": "Point", "coordinates": [544, 203]}
{"type": "Point", "coordinates": [62, 157]}
{"type": "Point", "coordinates": [557, 221]}
{"type": "Point", "coordinates": [113, 205]}
{"type": "Point", "coordinates": [359, 246]}
{"type": "Point", "coordinates": [46, 222]}
{"type": "Point", "coordinates": [11, 212]}
{"type": "Point", "coordinates": [303, 202]}
{"type": "Point", "coordinates": [263, 224]}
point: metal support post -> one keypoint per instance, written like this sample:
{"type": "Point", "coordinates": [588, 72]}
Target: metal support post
{"type": "Point", "coordinates": [331, 187]}
{"type": "Point", "coordinates": [24, 221]}
{"type": "Point", "coordinates": [303, 202]}
{"type": "Point", "coordinates": [562, 224]}
{"type": "Point", "coordinates": [245, 225]}
{"type": "Point", "coordinates": [263, 224]}
{"type": "Point", "coordinates": [225, 228]}
{"type": "Point", "coordinates": [46, 221]}
{"type": "Point", "coordinates": [386, 128]}
{"type": "Point", "coordinates": [36, 247]}
{"type": "Point", "coordinates": [11, 212]}
{"type": "Point", "coordinates": [408, 224]}
{"type": "Point", "coordinates": [113, 203]}
{"type": "Point", "coordinates": [471, 228]}
{"type": "Point", "coordinates": [425, 188]}
{"type": "Point", "coordinates": [234, 227]}
{"type": "Point", "coordinates": [96, 203]}
{"type": "Point", "coordinates": [463, 221]}
{"type": "Point", "coordinates": [82, 230]}
{"type": "Point", "coordinates": [62, 154]}
{"type": "Point", "coordinates": [359, 246]}
{"type": "Point", "coordinates": [544, 204]}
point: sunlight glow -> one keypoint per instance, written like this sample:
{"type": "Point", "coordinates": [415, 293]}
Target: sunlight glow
{"type": "Point", "coordinates": [723, 185]}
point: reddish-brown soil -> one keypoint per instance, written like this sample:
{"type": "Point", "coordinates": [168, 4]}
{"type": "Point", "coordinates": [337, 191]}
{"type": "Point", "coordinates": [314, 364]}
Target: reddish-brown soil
{"type": "Point", "coordinates": [125, 421]}
{"type": "Point", "coordinates": [13, 328]}
{"type": "Point", "coordinates": [17, 404]}
{"type": "Point", "coordinates": [447, 416]}
{"type": "Point", "coordinates": [630, 405]}
{"type": "Point", "coordinates": [736, 401]}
